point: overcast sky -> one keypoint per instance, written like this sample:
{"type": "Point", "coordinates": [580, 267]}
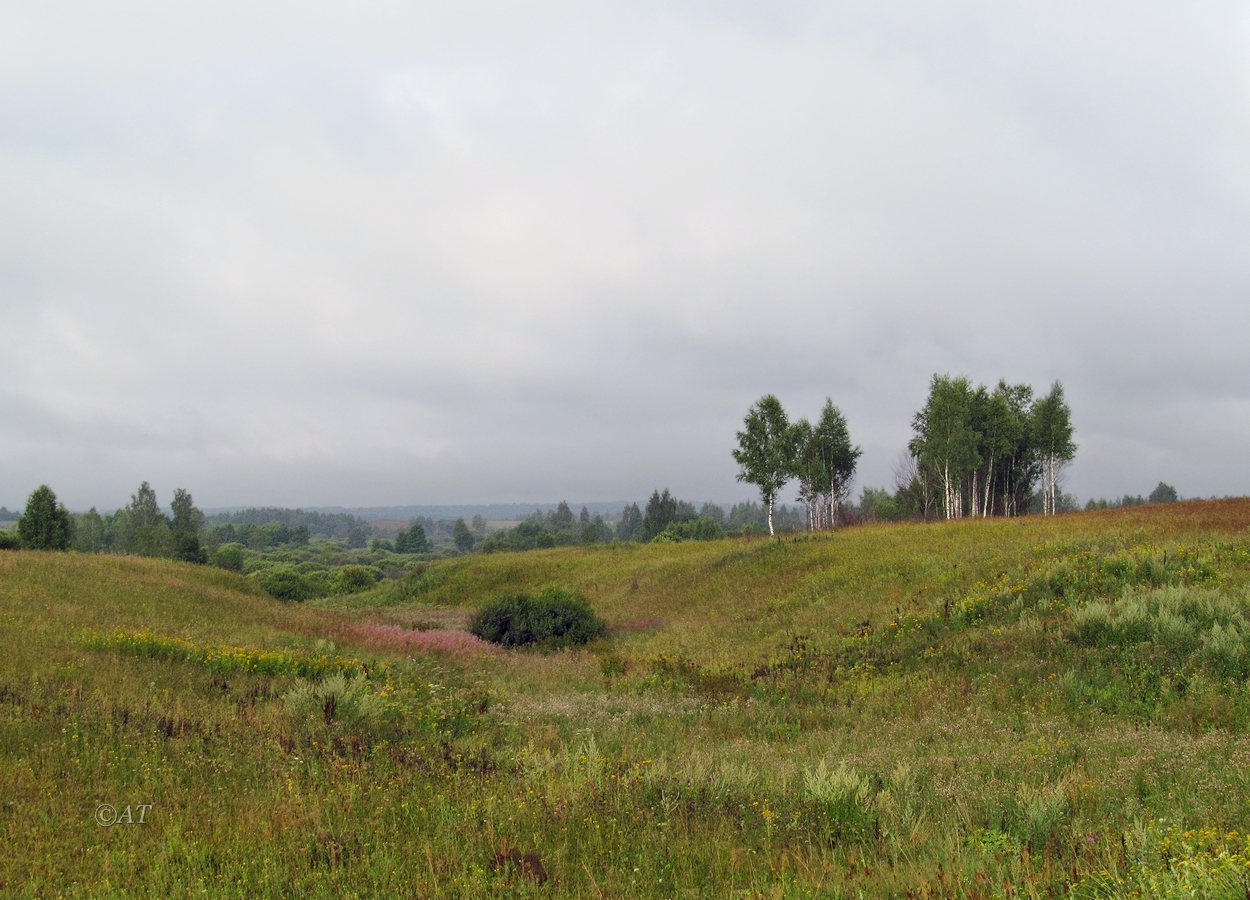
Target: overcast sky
{"type": "Point", "coordinates": [391, 253]}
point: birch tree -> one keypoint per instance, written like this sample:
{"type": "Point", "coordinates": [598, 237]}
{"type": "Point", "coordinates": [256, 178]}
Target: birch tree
{"type": "Point", "coordinates": [765, 451]}
{"type": "Point", "coordinates": [1052, 435]}
{"type": "Point", "coordinates": [944, 441]}
{"type": "Point", "coordinates": [837, 459]}
{"type": "Point", "coordinates": [1002, 431]}
{"type": "Point", "coordinates": [1019, 467]}
{"type": "Point", "coordinates": [808, 470]}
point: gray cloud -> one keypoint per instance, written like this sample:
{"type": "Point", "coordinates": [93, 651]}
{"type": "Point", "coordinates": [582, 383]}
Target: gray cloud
{"type": "Point", "coordinates": [466, 253]}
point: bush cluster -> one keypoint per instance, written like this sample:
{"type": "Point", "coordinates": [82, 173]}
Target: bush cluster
{"type": "Point", "coordinates": [556, 617]}
{"type": "Point", "coordinates": [352, 578]}
{"type": "Point", "coordinates": [285, 583]}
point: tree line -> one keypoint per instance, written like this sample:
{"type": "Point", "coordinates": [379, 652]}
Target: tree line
{"type": "Point", "coordinates": [664, 517]}
{"type": "Point", "coordinates": [140, 528]}
{"type": "Point", "coordinates": [1162, 493]}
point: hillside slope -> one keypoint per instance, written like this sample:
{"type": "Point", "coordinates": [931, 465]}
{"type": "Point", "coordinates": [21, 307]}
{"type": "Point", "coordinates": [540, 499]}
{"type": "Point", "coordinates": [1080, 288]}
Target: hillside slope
{"type": "Point", "coordinates": [961, 709]}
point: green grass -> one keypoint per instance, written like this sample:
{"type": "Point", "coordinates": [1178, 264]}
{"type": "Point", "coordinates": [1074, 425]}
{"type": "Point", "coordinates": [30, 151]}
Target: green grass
{"type": "Point", "coordinates": [1030, 707]}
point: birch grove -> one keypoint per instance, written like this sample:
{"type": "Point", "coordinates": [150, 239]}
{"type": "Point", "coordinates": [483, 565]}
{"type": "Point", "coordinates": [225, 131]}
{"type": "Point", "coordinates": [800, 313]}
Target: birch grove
{"type": "Point", "coordinates": [989, 451]}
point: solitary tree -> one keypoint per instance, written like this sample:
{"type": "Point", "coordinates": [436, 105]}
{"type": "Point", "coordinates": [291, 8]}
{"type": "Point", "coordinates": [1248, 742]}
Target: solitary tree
{"type": "Point", "coordinates": [45, 524]}
{"type": "Point", "coordinates": [765, 451]}
{"type": "Point", "coordinates": [1163, 493]}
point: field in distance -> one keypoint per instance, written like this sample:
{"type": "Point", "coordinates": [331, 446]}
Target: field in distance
{"type": "Point", "coordinates": [1035, 706]}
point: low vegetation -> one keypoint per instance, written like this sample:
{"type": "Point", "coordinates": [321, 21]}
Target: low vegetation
{"type": "Point", "coordinates": [1049, 706]}
{"type": "Point", "coordinates": [552, 618]}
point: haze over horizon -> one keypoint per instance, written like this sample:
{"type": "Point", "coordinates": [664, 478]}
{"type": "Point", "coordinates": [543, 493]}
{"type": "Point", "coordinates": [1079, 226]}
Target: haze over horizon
{"type": "Point", "coordinates": [418, 254]}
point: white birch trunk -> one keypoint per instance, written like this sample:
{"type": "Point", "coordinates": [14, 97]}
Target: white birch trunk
{"type": "Point", "coordinates": [989, 480]}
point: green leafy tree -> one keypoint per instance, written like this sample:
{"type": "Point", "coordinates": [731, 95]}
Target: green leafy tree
{"type": "Point", "coordinates": [90, 532]}
{"type": "Point", "coordinates": [229, 556]}
{"type": "Point", "coordinates": [464, 537]}
{"type": "Point", "coordinates": [121, 535]}
{"type": "Point", "coordinates": [45, 524]}
{"type": "Point", "coordinates": [187, 523]}
{"type": "Point", "coordinates": [357, 536]}
{"type": "Point", "coordinates": [766, 451]}
{"type": "Point", "coordinates": [713, 512]}
{"type": "Point", "coordinates": [878, 505]}
{"type": "Point", "coordinates": [1163, 493]}
{"type": "Point", "coordinates": [1002, 430]}
{"type": "Point", "coordinates": [595, 531]}
{"type": "Point", "coordinates": [275, 534]}
{"type": "Point", "coordinates": [1052, 436]}
{"type": "Point", "coordinates": [412, 539]}
{"type": "Point", "coordinates": [827, 458]}
{"type": "Point", "coordinates": [148, 529]}
{"type": "Point", "coordinates": [564, 517]}
{"type": "Point", "coordinates": [187, 517]}
{"type": "Point", "coordinates": [945, 442]}
{"type": "Point", "coordinates": [144, 508]}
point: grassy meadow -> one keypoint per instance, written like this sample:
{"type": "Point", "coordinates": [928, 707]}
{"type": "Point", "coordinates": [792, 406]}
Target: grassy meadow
{"type": "Point", "coordinates": [1029, 707]}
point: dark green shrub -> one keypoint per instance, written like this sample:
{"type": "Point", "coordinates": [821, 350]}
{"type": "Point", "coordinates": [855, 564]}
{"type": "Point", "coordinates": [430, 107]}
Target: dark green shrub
{"type": "Point", "coordinates": [187, 548]}
{"type": "Point", "coordinates": [352, 578]}
{"type": "Point", "coordinates": [555, 618]}
{"type": "Point", "coordinates": [700, 529]}
{"type": "Point", "coordinates": [229, 556]}
{"type": "Point", "coordinates": [284, 583]}
{"type": "Point", "coordinates": [10, 541]}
